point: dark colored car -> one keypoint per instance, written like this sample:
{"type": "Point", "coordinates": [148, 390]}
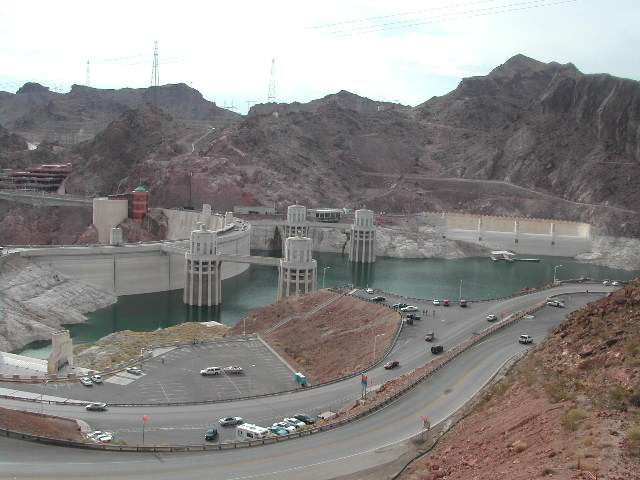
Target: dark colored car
{"type": "Point", "coordinates": [429, 336]}
{"type": "Point", "coordinates": [391, 364]}
{"type": "Point", "coordinates": [413, 316]}
{"type": "Point", "coordinates": [211, 434]}
{"type": "Point", "coordinates": [378, 299]}
{"type": "Point", "coordinates": [437, 349]}
{"type": "Point", "coordinates": [400, 305]}
{"type": "Point", "coordinates": [303, 417]}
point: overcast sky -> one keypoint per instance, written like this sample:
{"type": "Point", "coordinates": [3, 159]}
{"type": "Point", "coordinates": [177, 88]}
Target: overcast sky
{"type": "Point", "coordinates": [404, 50]}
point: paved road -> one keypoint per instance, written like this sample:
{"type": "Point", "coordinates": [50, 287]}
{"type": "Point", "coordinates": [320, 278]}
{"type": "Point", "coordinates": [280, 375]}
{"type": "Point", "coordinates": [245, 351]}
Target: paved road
{"type": "Point", "coordinates": [378, 439]}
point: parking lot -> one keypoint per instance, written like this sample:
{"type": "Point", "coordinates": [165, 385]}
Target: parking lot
{"type": "Point", "coordinates": [173, 376]}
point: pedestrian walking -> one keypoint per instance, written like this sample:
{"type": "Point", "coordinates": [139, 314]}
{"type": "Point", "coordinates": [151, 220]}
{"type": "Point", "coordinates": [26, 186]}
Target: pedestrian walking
{"type": "Point", "coordinates": [162, 359]}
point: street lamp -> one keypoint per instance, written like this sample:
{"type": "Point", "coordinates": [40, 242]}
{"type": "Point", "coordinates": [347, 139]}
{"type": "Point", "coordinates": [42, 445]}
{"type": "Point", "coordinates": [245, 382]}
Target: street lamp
{"type": "Point", "coordinates": [374, 345]}
{"type": "Point", "coordinates": [460, 294]}
{"type": "Point", "coordinates": [324, 271]}
{"type": "Point", "coordinates": [555, 269]}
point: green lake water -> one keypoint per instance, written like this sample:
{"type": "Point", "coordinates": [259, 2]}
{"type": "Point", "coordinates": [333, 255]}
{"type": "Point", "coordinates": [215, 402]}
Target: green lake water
{"type": "Point", "coordinates": [477, 279]}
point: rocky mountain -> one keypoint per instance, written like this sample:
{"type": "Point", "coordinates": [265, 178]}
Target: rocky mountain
{"type": "Point", "coordinates": [529, 139]}
{"type": "Point", "coordinates": [37, 113]}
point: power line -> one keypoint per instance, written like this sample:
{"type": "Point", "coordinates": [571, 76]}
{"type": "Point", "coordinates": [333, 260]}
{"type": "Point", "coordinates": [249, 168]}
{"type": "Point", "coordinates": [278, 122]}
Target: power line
{"type": "Point", "coordinates": [271, 97]}
{"type": "Point", "coordinates": [155, 76]}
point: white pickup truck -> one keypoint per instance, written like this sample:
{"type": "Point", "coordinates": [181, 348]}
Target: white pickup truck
{"type": "Point", "coordinates": [211, 371]}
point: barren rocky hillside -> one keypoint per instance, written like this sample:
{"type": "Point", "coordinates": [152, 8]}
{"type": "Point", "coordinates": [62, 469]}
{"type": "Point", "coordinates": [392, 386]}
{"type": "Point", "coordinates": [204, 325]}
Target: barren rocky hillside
{"type": "Point", "coordinates": [529, 139]}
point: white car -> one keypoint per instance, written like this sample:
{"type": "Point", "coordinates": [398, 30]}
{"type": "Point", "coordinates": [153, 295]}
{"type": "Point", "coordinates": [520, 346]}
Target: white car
{"type": "Point", "coordinates": [525, 339]}
{"type": "Point", "coordinates": [100, 436]}
{"type": "Point", "coordinates": [295, 422]}
{"type": "Point", "coordinates": [86, 381]}
{"type": "Point", "coordinates": [556, 303]}
{"type": "Point", "coordinates": [615, 284]}
{"type": "Point", "coordinates": [606, 283]}
{"type": "Point", "coordinates": [436, 302]}
{"type": "Point", "coordinates": [231, 421]}
{"type": "Point", "coordinates": [134, 370]}
{"type": "Point", "coordinates": [96, 406]}
{"type": "Point", "coordinates": [286, 426]}
{"type": "Point", "coordinates": [369, 290]}
{"type": "Point", "coordinates": [96, 378]}
{"type": "Point", "coordinates": [409, 308]}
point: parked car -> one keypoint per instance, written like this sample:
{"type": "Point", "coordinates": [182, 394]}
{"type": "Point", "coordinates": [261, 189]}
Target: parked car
{"type": "Point", "coordinates": [211, 434]}
{"type": "Point", "coordinates": [96, 378]}
{"type": "Point", "coordinates": [285, 426]}
{"type": "Point", "coordinates": [100, 436]}
{"type": "Point", "coordinates": [446, 303]}
{"type": "Point", "coordinates": [392, 364]}
{"type": "Point", "coordinates": [277, 431]}
{"type": "Point", "coordinates": [230, 421]}
{"type": "Point", "coordinates": [525, 339]}
{"type": "Point", "coordinates": [436, 302]}
{"type": "Point", "coordinates": [437, 349]}
{"type": "Point", "coordinates": [369, 290]}
{"type": "Point", "coordinates": [429, 336]}
{"type": "Point", "coordinates": [134, 370]}
{"type": "Point", "coordinates": [295, 422]}
{"type": "Point", "coordinates": [303, 417]}
{"type": "Point", "coordinates": [615, 284]}
{"type": "Point", "coordinates": [409, 308]}
{"type": "Point", "coordinates": [211, 371]}
{"type": "Point", "coordinates": [86, 381]}
{"type": "Point", "coordinates": [233, 369]}
{"type": "Point", "coordinates": [556, 303]}
{"type": "Point", "coordinates": [606, 283]}
{"type": "Point", "coordinates": [378, 299]}
{"type": "Point", "coordinates": [462, 303]}
{"type": "Point", "coordinates": [413, 316]}
{"type": "Point", "coordinates": [400, 305]}
{"type": "Point", "coordinates": [492, 318]}
{"type": "Point", "coordinates": [96, 406]}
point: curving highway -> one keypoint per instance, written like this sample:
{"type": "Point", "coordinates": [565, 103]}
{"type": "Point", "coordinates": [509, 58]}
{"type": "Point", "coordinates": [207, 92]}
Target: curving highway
{"type": "Point", "coordinates": [373, 441]}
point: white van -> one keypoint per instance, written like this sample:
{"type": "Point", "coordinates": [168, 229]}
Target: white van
{"type": "Point", "coordinates": [248, 431]}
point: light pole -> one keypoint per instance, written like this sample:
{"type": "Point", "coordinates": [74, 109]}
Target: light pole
{"type": "Point", "coordinates": [374, 345]}
{"type": "Point", "coordinates": [460, 294]}
{"type": "Point", "coordinates": [555, 269]}
{"type": "Point", "coordinates": [324, 271]}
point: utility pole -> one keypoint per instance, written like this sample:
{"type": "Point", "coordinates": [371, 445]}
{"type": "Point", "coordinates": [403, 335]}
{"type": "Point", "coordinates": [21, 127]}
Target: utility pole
{"type": "Point", "coordinates": [155, 76]}
{"type": "Point", "coordinates": [271, 98]}
{"type": "Point", "coordinates": [86, 80]}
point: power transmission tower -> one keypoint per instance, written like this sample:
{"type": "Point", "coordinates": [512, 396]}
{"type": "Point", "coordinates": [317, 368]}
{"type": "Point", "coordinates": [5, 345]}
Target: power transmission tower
{"type": "Point", "coordinates": [155, 77]}
{"type": "Point", "coordinates": [86, 81]}
{"type": "Point", "coordinates": [272, 83]}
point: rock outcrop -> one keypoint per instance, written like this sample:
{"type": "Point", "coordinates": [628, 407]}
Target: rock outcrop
{"type": "Point", "coordinates": [36, 301]}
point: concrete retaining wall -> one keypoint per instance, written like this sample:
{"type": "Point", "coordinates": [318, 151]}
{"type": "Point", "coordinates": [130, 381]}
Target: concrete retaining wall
{"type": "Point", "coordinates": [133, 269]}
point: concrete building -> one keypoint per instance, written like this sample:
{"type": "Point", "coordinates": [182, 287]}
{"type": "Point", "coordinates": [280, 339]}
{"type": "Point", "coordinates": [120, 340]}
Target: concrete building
{"type": "Point", "coordinates": [107, 214]}
{"type": "Point", "coordinates": [362, 248]}
{"type": "Point", "coordinates": [298, 270]}
{"type": "Point", "coordinates": [202, 285]}
{"type": "Point", "coordinates": [296, 224]}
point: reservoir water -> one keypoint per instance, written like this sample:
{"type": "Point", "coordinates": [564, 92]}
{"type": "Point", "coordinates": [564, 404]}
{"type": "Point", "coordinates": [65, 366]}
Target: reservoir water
{"type": "Point", "coordinates": [472, 278]}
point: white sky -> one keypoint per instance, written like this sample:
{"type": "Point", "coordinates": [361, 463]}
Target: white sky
{"type": "Point", "coordinates": [403, 50]}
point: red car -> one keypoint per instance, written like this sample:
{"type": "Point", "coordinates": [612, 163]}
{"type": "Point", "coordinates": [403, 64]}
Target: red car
{"type": "Point", "coordinates": [429, 336]}
{"type": "Point", "coordinates": [446, 303]}
{"type": "Point", "coordinates": [391, 364]}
